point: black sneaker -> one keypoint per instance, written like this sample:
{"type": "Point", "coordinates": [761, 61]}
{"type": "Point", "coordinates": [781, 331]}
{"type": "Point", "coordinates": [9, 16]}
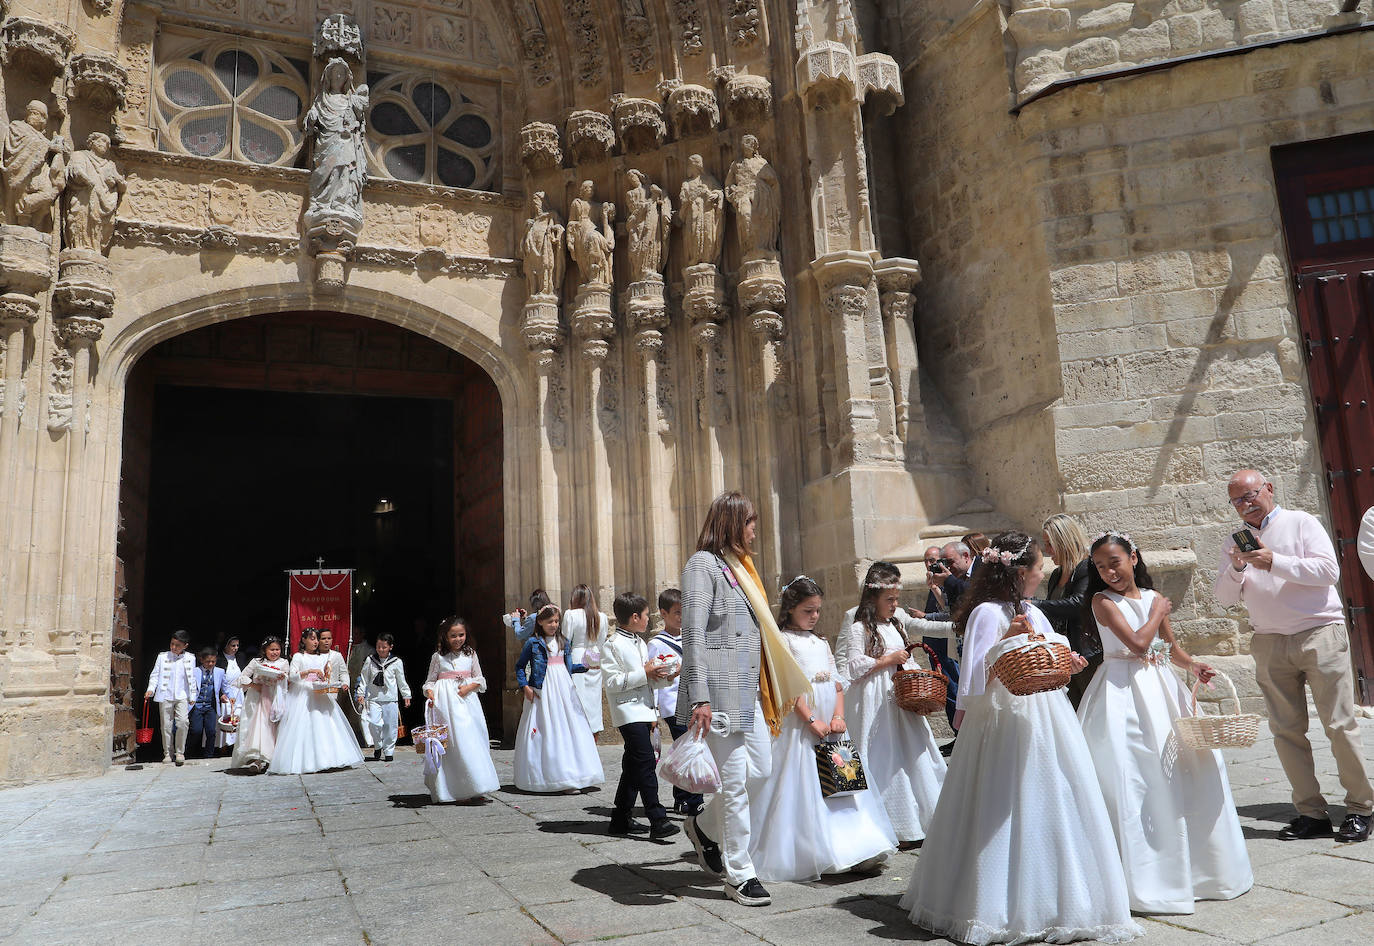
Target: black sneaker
{"type": "Point", "coordinates": [662, 829]}
{"type": "Point", "coordinates": [626, 826]}
{"type": "Point", "coordinates": [377, 756]}
{"type": "Point", "coordinates": [708, 851]}
{"type": "Point", "coordinates": [947, 749]}
{"type": "Point", "coordinates": [1303, 827]}
{"type": "Point", "coordinates": [749, 894]}
{"type": "Point", "coordinates": [1354, 828]}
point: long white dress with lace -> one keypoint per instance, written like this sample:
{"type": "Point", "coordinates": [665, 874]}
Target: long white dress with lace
{"type": "Point", "coordinates": [314, 734]}
{"type": "Point", "coordinates": [1021, 848]}
{"type": "Point", "coordinates": [263, 705]}
{"type": "Point", "coordinates": [1175, 822]}
{"type": "Point", "coordinates": [465, 769]}
{"type": "Point", "coordinates": [554, 749]}
{"type": "Point", "coordinates": [899, 753]}
{"type": "Point", "coordinates": [587, 685]}
{"type": "Point", "coordinates": [804, 835]}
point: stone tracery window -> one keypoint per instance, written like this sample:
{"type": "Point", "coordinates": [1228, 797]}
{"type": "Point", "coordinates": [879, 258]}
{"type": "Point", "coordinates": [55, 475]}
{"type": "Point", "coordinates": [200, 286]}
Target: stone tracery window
{"type": "Point", "coordinates": [421, 128]}
{"type": "Point", "coordinates": [220, 96]}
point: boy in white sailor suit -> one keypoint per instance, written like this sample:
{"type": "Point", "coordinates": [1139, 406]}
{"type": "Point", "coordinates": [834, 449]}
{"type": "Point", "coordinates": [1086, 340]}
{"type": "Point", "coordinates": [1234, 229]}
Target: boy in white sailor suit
{"type": "Point", "coordinates": [381, 683]}
{"type": "Point", "coordinates": [630, 677]}
{"type": "Point", "coordinates": [172, 685]}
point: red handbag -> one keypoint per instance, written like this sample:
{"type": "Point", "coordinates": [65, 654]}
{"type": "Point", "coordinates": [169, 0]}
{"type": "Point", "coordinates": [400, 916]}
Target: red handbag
{"type": "Point", "coordinates": [144, 734]}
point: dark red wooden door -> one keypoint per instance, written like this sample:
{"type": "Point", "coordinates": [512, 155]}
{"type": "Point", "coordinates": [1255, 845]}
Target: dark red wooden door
{"type": "Point", "coordinates": [1326, 196]}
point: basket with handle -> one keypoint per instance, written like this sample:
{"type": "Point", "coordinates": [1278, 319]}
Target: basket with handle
{"type": "Point", "coordinates": [144, 734]}
{"type": "Point", "coordinates": [432, 730]}
{"type": "Point", "coordinates": [1037, 666]}
{"type": "Point", "coordinates": [921, 691]}
{"type": "Point", "coordinates": [1234, 731]}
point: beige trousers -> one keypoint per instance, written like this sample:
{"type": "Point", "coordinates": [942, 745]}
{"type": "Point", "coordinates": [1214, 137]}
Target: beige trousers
{"type": "Point", "coordinates": [174, 713]}
{"type": "Point", "coordinates": [1319, 658]}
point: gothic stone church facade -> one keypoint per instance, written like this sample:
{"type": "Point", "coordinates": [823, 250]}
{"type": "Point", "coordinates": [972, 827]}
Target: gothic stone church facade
{"type": "Point", "coordinates": [897, 270]}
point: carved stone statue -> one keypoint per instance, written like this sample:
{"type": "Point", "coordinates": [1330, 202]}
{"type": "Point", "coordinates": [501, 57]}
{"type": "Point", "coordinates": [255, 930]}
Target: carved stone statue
{"type": "Point", "coordinates": [543, 248]}
{"type": "Point", "coordinates": [335, 122]}
{"type": "Point", "coordinates": [649, 215]}
{"type": "Point", "coordinates": [591, 247]}
{"type": "Point", "coordinates": [32, 166]}
{"type": "Point", "coordinates": [701, 204]}
{"type": "Point", "coordinates": [94, 190]}
{"type": "Point", "coordinates": [752, 187]}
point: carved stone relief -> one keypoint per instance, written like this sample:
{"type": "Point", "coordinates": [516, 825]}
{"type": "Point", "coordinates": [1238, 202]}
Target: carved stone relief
{"type": "Point", "coordinates": [539, 147]}
{"type": "Point", "coordinates": [748, 98]}
{"type": "Point", "coordinates": [694, 110]}
{"type": "Point", "coordinates": [689, 18]}
{"type": "Point", "coordinates": [534, 42]}
{"type": "Point", "coordinates": [591, 54]}
{"type": "Point", "coordinates": [640, 123]}
{"type": "Point", "coordinates": [34, 167]}
{"type": "Point", "coordinates": [38, 46]}
{"type": "Point", "coordinates": [590, 136]}
{"type": "Point", "coordinates": [745, 22]}
{"type": "Point", "coordinates": [753, 189]}
{"type": "Point", "coordinates": [60, 390]}
{"type": "Point", "coordinates": [98, 81]}
{"type": "Point", "coordinates": [94, 189]}
{"type": "Point", "coordinates": [338, 35]}
{"type": "Point", "coordinates": [338, 158]}
{"type": "Point", "coordinates": [639, 37]}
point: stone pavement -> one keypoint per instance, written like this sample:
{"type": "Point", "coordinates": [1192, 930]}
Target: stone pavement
{"type": "Point", "coordinates": [171, 856]}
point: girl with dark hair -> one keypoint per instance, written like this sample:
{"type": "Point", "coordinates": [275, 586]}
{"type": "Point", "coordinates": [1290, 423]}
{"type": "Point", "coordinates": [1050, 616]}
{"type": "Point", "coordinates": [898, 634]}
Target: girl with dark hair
{"type": "Point", "coordinates": [585, 627]}
{"type": "Point", "coordinates": [1021, 846]}
{"type": "Point", "coordinates": [455, 678]}
{"type": "Point", "coordinates": [809, 835]}
{"type": "Point", "coordinates": [555, 750]}
{"type": "Point", "coordinates": [263, 683]}
{"type": "Point", "coordinates": [520, 621]}
{"type": "Point", "coordinates": [314, 734]}
{"type": "Point", "coordinates": [899, 752]}
{"type": "Point", "coordinates": [1176, 824]}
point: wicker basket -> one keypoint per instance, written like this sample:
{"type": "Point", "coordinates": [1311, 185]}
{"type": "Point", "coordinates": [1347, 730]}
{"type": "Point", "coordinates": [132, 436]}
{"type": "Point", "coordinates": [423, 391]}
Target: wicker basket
{"type": "Point", "coordinates": [1036, 666]}
{"type": "Point", "coordinates": [432, 729]}
{"type": "Point", "coordinates": [1218, 732]}
{"type": "Point", "coordinates": [921, 691]}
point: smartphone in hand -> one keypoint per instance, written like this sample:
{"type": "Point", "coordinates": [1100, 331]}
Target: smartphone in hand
{"type": "Point", "coordinates": [1245, 541]}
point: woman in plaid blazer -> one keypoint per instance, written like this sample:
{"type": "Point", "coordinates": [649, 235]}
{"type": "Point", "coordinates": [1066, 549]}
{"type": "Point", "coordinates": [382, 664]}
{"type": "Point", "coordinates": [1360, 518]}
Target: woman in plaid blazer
{"type": "Point", "coordinates": [718, 693]}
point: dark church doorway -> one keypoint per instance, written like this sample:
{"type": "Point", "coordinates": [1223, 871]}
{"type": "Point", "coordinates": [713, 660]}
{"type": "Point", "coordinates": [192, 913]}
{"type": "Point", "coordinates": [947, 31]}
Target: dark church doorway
{"type": "Point", "coordinates": [258, 445]}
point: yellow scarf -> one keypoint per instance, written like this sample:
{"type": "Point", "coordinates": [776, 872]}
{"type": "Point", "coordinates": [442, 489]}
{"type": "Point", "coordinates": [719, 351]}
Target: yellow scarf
{"type": "Point", "coordinates": [781, 678]}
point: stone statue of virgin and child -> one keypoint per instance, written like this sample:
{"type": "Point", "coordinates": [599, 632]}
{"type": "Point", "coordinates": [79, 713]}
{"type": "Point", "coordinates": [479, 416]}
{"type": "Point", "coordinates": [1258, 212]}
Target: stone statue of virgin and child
{"type": "Point", "coordinates": [338, 158]}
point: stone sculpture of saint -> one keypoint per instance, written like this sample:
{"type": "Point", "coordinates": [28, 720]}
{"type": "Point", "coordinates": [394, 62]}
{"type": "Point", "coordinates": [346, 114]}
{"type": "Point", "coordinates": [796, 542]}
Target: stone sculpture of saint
{"type": "Point", "coordinates": [94, 190]}
{"type": "Point", "coordinates": [543, 248]}
{"type": "Point", "coordinates": [648, 217]}
{"type": "Point", "coordinates": [32, 166]}
{"type": "Point", "coordinates": [590, 246]}
{"type": "Point", "coordinates": [752, 188]}
{"type": "Point", "coordinates": [701, 204]}
{"type": "Point", "coordinates": [335, 123]}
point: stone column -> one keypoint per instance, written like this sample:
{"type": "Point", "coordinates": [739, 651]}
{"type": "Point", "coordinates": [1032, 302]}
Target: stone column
{"type": "Point", "coordinates": [544, 337]}
{"type": "Point", "coordinates": [897, 279]}
{"type": "Point", "coordinates": [25, 273]}
{"type": "Point", "coordinates": [78, 334]}
{"type": "Point", "coordinates": [844, 279]}
{"type": "Point", "coordinates": [595, 326]}
{"type": "Point", "coordinates": [648, 315]}
{"type": "Point", "coordinates": [762, 297]}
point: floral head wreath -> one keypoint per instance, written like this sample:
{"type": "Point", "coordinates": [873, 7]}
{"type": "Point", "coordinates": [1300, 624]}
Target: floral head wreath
{"type": "Point", "coordinates": [1123, 537]}
{"type": "Point", "coordinates": [881, 586]}
{"type": "Point", "coordinates": [1006, 557]}
{"type": "Point", "coordinates": [801, 578]}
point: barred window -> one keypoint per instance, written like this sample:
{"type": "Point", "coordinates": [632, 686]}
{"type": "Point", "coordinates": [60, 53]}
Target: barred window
{"type": "Point", "coordinates": [1342, 215]}
{"type": "Point", "coordinates": [421, 128]}
{"type": "Point", "coordinates": [223, 97]}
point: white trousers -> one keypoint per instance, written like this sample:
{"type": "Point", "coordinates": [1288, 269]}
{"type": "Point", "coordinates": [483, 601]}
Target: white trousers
{"type": "Point", "coordinates": [379, 722]}
{"type": "Point", "coordinates": [725, 819]}
{"type": "Point", "coordinates": [175, 713]}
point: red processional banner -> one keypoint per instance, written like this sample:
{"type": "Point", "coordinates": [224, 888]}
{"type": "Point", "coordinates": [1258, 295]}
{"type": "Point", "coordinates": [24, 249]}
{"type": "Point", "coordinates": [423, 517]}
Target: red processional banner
{"type": "Point", "coordinates": [321, 598]}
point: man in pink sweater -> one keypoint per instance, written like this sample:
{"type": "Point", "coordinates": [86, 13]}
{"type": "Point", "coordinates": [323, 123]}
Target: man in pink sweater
{"type": "Point", "coordinates": [1288, 584]}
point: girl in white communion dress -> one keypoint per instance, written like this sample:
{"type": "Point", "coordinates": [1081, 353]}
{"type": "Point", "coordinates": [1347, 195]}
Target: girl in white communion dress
{"type": "Point", "coordinates": [1021, 847]}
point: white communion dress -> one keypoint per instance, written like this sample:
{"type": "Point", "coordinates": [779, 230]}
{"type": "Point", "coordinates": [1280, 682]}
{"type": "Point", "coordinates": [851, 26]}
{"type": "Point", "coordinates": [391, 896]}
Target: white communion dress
{"type": "Point", "coordinates": [1176, 825]}
{"type": "Point", "coordinates": [555, 750]}
{"type": "Point", "coordinates": [802, 835]}
{"type": "Point", "coordinates": [587, 685]}
{"type": "Point", "coordinates": [465, 769]}
{"type": "Point", "coordinates": [900, 757]}
{"type": "Point", "coordinates": [263, 706]}
{"type": "Point", "coordinates": [314, 734]}
{"type": "Point", "coordinates": [1021, 847]}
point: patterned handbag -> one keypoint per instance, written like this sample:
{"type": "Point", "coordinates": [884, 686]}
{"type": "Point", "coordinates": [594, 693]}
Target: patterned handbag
{"type": "Point", "coordinates": [840, 769]}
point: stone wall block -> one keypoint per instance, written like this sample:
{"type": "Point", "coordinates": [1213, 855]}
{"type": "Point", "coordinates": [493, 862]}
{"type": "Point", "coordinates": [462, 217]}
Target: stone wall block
{"type": "Point", "coordinates": [1243, 372]}
{"type": "Point", "coordinates": [1094, 53]}
{"type": "Point", "coordinates": [1162, 373]}
{"type": "Point", "coordinates": [1150, 42]}
{"type": "Point", "coordinates": [1083, 283]}
{"type": "Point", "coordinates": [1091, 316]}
{"type": "Point", "coordinates": [1185, 34]}
{"type": "Point", "coordinates": [1093, 382]}
{"type": "Point", "coordinates": [1174, 306]}
{"type": "Point", "coordinates": [1039, 26]}
{"type": "Point", "coordinates": [1116, 341]}
{"type": "Point", "coordinates": [1256, 18]}
{"type": "Point", "coordinates": [1113, 469]}
{"type": "Point", "coordinates": [1157, 273]}
{"type": "Point", "coordinates": [1113, 16]}
{"type": "Point", "coordinates": [1239, 426]}
{"type": "Point", "coordinates": [1274, 455]}
{"type": "Point", "coordinates": [1211, 267]}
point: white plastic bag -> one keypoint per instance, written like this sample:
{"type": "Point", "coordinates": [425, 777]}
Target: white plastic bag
{"type": "Point", "coordinates": [688, 765]}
